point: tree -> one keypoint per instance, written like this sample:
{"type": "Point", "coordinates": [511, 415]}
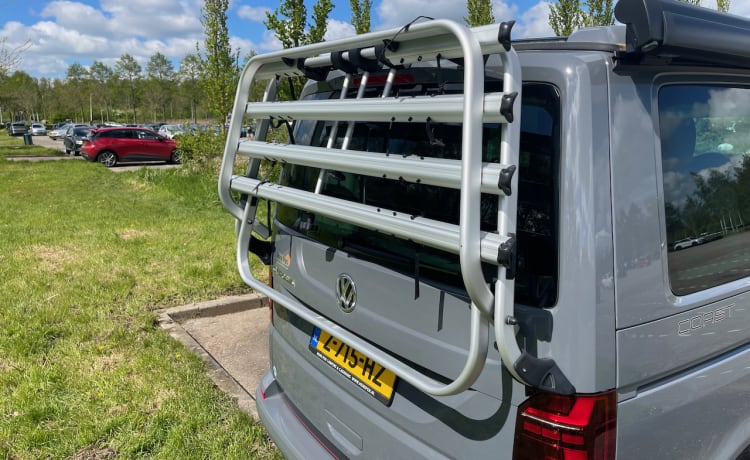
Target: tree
{"type": "Point", "coordinates": [600, 13]}
{"type": "Point", "coordinates": [321, 10]}
{"type": "Point", "coordinates": [160, 73]}
{"type": "Point", "coordinates": [692, 2]}
{"type": "Point", "coordinates": [76, 79]}
{"type": "Point", "coordinates": [128, 69]}
{"type": "Point", "coordinates": [102, 78]}
{"type": "Point", "coordinates": [18, 95]}
{"type": "Point", "coordinates": [220, 69]}
{"type": "Point", "coordinates": [10, 57]}
{"type": "Point", "coordinates": [288, 23]}
{"type": "Point", "coordinates": [480, 13]}
{"type": "Point", "coordinates": [191, 68]}
{"type": "Point", "coordinates": [722, 5]}
{"type": "Point", "coordinates": [361, 15]}
{"type": "Point", "coordinates": [565, 17]}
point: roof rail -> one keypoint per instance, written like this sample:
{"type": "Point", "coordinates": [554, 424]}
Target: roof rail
{"type": "Point", "coordinates": [674, 31]}
{"type": "Point", "coordinates": [358, 56]}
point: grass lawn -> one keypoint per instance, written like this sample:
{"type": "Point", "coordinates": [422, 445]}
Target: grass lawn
{"type": "Point", "coordinates": [13, 146]}
{"type": "Point", "coordinates": [86, 257]}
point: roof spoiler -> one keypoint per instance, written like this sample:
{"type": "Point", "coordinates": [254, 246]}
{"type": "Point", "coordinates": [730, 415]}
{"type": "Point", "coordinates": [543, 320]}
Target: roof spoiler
{"type": "Point", "coordinates": [673, 31]}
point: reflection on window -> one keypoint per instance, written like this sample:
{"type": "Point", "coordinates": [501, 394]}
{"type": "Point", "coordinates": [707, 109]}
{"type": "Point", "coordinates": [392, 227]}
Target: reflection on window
{"type": "Point", "coordinates": [705, 147]}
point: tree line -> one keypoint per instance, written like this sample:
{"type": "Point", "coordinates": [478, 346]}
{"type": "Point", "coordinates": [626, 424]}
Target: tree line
{"type": "Point", "coordinates": [202, 86]}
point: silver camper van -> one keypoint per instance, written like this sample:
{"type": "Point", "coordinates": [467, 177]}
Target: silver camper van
{"type": "Point", "coordinates": [475, 244]}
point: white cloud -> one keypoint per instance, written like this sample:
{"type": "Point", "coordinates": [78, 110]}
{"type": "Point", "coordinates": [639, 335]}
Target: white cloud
{"type": "Point", "coordinates": [397, 13]}
{"type": "Point", "coordinates": [253, 13]}
{"type": "Point", "coordinates": [269, 43]}
{"type": "Point", "coordinates": [535, 22]}
{"type": "Point", "coordinates": [338, 29]}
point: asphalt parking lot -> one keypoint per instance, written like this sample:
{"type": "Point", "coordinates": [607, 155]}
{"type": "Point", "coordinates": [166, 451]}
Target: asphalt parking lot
{"type": "Point", "coordinates": [46, 141]}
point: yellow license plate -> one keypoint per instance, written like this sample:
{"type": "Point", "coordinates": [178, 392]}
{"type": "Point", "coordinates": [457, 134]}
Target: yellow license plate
{"type": "Point", "coordinates": [367, 374]}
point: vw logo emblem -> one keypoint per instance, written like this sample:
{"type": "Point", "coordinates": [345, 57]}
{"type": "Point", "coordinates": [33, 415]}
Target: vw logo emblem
{"type": "Point", "coordinates": [346, 293]}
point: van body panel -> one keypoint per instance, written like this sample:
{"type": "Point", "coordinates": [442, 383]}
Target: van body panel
{"type": "Point", "coordinates": [418, 426]}
{"type": "Point", "coordinates": [657, 349]}
{"type": "Point", "coordinates": [585, 309]}
{"type": "Point", "coordinates": [699, 414]}
{"type": "Point", "coordinates": [417, 330]}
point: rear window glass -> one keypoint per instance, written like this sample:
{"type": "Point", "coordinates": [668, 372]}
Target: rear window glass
{"type": "Point", "coordinates": [705, 149]}
{"type": "Point", "coordinates": [536, 277]}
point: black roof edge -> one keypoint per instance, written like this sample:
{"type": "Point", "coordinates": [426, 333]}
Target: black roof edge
{"type": "Point", "coordinates": [673, 31]}
{"type": "Point", "coordinates": [563, 45]}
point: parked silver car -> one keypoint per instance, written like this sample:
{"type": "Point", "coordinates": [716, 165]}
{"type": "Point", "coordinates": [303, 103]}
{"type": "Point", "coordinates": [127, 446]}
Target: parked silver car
{"type": "Point", "coordinates": [17, 129]}
{"type": "Point", "coordinates": [37, 129]}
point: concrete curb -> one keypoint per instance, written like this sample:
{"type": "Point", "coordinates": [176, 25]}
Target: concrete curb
{"type": "Point", "coordinates": [170, 320]}
{"type": "Point", "coordinates": [222, 306]}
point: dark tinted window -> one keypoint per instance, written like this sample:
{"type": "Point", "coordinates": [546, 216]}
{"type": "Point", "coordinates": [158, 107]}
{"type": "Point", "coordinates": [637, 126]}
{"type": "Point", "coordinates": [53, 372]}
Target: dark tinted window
{"type": "Point", "coordinates": [705, 147]}
{"type": "Point", "coordinates": [536, 279]}
{"type": "Point", "coordinates": [147, 135]}
{"type": "Point", "coordinates": [117, 134]}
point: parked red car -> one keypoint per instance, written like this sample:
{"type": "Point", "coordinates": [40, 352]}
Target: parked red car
{"type": "Point", "coordinates": [110, 146]}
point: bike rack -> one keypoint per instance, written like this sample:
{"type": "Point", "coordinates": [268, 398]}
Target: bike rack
{"type": "Point", "coordinates": [448, 40]}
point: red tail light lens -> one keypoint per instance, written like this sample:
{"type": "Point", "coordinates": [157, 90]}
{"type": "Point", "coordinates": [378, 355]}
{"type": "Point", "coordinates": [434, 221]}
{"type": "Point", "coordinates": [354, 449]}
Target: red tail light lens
{"type": "Point", "coordinates": [379, 80]}
{"type": "Point", "coordinates": [578, 427]}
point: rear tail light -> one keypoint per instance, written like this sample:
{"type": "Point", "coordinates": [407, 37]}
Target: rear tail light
{"type": "Point", "coordinates": [578, 427]}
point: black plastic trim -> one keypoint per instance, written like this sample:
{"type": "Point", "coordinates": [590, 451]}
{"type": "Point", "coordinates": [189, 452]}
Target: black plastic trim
{"type": "Point", "coordinates": [507, 256]}
{"type": "Point", "coordinates": [543, 374]}
{"type": "Point", "coordinates": [506, 176]}
{"type": "Point", "coordinates": [503, 34]}
{"type": "Point", "coordinates": [506, 105]}
{"type": "Point", "coordinates": [677, 31]}
{"type": "Point", "coordinates": [263, 249]}
{"type": "Point", "coordinates": [368, 65]}
{"type": "Point", "coordinates": [338, 61]}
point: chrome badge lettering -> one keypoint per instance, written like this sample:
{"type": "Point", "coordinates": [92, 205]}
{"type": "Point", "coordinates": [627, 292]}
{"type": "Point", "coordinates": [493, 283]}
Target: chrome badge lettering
{"type": "Point", "coordinates": [687, 326]}
{"type": "Point", "coordinates": [283, 275]}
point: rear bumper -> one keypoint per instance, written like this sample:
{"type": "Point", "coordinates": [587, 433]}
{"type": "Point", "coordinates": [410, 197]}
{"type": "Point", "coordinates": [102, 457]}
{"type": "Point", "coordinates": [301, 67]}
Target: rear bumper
{"type": "Point", "coordinates": [284, 425]}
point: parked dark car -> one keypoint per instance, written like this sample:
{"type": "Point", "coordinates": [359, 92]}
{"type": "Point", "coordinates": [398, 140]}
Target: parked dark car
{"type": "Point", "coordinates": [74, 137]}
{"type": "Point", "coordinates": [17, 129]}
{"type": "Point", "coordinates": [110, 146]}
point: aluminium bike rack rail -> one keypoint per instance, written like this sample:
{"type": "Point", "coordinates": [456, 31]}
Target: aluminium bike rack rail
{"type": "Point", "coordinates": [437, 39]}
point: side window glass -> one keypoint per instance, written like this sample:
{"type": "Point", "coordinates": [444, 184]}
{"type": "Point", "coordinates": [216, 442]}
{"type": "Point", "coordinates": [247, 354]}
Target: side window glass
{"type": "Point", "coordinates": [705, 150]}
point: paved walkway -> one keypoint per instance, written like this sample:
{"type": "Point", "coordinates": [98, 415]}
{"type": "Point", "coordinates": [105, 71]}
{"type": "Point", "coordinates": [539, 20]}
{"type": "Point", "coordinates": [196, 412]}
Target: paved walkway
{"type": "Point", "coordinates": [231, 335]}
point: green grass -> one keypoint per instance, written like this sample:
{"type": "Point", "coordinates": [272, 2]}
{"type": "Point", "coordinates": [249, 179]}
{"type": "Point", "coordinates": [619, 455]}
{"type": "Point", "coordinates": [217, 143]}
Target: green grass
{"type": "Point", "coordinates": [86, 257]}
{"type": "Point", "coordinates": [13, 146]}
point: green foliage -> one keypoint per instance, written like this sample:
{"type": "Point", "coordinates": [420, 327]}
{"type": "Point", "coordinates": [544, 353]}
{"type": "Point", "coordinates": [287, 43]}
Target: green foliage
{"type": "Point", "coordinates": [201, 151]}
{"type": "Point", "coordinates": [565, 17]}
{"type": "Point", "coordinates": [128, 70]}
{"type": "Point", "coordinates": [599, 13]}
{"type": "Point", "coordinates": [321, 10]}
{"type": "Point", "coordinates": [480, 13]}
{"type": "Point", "coordinates": [722, 5]}
{"type": "Point", "coordinates": [84, 368]}
{"type": "Point", "coordinates": [361, 15]}
{"type": "Point", "coordinates": [220, 69]}
{"type": "Point", "coordinates": [288, 23]}
{"type": "Point", "coordinates": [692, 2]}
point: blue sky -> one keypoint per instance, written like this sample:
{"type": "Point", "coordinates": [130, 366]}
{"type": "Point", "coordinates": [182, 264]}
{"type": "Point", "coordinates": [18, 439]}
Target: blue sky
{"type": "Point", "coordinates": [61, 32]}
